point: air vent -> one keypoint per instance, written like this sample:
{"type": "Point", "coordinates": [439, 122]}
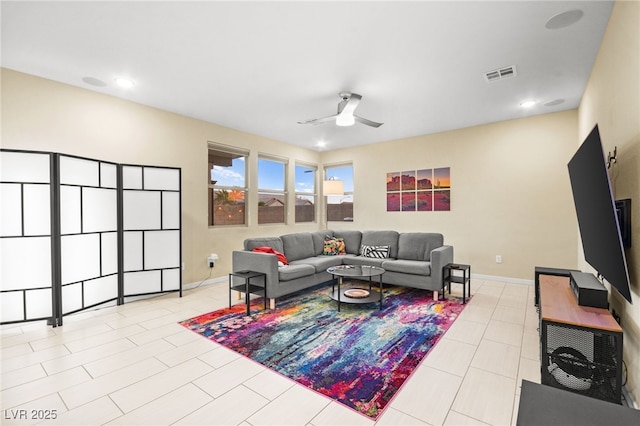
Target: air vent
{"type": "Point", "coordinates": [500, 74]}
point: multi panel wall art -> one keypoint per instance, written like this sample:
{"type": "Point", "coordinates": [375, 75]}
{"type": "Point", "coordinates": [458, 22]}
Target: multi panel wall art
{"type": "Point", "coordinates": [422, 190]}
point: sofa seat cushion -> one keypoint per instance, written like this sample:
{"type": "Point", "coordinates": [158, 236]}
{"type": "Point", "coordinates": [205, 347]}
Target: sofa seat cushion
{"type": "Point", "coordinates": [361, 260]}
{"type": "Point", "coordinates": [415, 267]}
{"type": "Point", "coordinates": [295, 270]}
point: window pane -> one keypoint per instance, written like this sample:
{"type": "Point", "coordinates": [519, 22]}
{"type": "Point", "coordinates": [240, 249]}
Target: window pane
{"type": "Point", "coordinates": [305, 208]}
{"type": "Point", "coordinates": [305, 179]}
{"type": "Point", "coordinates": [270, 208]}
{"type": "Point", "coordinates": [343, 173]}
{"type": "Point", "coordinates": [340, 207]}
{"type": "Point", "coordinates": [227, 207]}
{"type": "Point", "coordinates": [227, 172]}
{"type": "Point", "coordinates": [229, 175]}
{"type": "Point", "coordinates": [305, 184]}
{"type": "Point", "coordinates": [271, 195]}
{"type": "Point", "coordinates": [270, 175]}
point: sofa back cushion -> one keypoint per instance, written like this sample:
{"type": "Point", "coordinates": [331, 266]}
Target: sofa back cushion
{"type": "Point", "coordinates": [298, 246]}
{"type": "Point", "coordinates": [381, 238]}
{"type": "Point", "coordinates": [318, 240]}
{"type": "Point", "coordinates": [418, 245]}
{"type": "Point", "coordinates": [273, 242]}
{"type": "Point", "coordinates": [352, 240]}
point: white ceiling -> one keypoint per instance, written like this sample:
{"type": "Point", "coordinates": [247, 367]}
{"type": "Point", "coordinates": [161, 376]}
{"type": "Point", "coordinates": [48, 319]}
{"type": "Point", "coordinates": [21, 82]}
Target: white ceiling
{"type": "Point", "coordinates": [261, 67]}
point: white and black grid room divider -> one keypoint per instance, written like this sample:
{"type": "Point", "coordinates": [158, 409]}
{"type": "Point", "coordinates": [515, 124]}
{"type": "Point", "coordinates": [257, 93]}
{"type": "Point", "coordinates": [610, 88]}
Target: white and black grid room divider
{"type": "Point", "coordinates": [76, 233]}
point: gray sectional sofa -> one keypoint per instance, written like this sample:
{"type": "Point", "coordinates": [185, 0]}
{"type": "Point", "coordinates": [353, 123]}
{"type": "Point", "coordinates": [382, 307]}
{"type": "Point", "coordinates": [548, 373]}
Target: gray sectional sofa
{"type": "Point", "coordinates": [415, 259]}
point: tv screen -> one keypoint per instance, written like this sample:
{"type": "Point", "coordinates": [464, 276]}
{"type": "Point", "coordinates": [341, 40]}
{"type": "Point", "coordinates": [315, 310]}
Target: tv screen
{"type": "Point", "coordinates": [596, 211]}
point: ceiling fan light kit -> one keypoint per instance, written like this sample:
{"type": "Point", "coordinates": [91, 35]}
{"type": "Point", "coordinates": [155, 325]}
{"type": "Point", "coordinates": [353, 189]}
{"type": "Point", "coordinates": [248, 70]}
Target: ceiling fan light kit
{"type": "Point", "coordinates": [345, 116]}
{"type": "Point", "coordinates": [345, 120]}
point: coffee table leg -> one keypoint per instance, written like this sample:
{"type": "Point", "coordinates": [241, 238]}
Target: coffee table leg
{"type": "Point", "coordinates": [380, 291]}
{"type": "Point", "coordinates": [339, 285]}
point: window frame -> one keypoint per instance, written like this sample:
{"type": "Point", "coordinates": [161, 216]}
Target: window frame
{"type": "Point", "coordinates": [313, 194]}
{"type": "Point", "coordinates": [212, 186]}
{"type": "Point", "coordinates": [348, 192]}
{"type": "Point", "coordinates": [277, 193]}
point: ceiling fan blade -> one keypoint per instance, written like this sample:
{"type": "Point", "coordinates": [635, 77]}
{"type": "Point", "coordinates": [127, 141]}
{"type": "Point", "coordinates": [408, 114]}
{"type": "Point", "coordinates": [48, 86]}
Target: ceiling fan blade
{"type": "Point", "coordinates": [322, 120]}
{"type": "Point", "coordinates": [350, 106]}
{"type": "Point", "coordinates": [367, 122]}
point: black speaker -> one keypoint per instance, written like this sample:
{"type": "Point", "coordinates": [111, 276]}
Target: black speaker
{"type": "Point", "coordinates": [582, 360]}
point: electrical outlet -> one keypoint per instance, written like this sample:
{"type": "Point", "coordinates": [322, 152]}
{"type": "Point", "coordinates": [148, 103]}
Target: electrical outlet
{"type": "Point", "coordinates": [498, 258]}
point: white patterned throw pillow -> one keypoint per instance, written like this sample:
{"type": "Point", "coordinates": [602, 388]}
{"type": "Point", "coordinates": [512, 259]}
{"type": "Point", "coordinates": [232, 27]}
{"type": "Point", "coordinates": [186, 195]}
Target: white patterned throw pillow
{"type": "Point", "coordinates": [377, 252]}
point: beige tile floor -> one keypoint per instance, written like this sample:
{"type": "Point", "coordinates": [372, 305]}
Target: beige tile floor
{"type": "Point", "coordinates": [134, 365]}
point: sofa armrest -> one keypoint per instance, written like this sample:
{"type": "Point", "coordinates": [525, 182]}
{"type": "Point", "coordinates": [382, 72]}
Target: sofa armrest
{"type": "Point", "coordinates": [439, 258]}
{"type": "Point", "coordinates": [266, 263]}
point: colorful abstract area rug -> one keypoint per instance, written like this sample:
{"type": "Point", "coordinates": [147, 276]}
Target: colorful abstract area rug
{"type": "Point", "coordinates": [359, 357]}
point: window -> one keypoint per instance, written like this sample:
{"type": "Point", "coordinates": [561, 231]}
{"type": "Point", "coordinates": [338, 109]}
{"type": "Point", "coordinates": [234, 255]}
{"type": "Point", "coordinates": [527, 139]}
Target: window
{"type": "Point", "coordinates": [272, 197]}
{"type": "Point", "coordinates": [227, 189]}
{"type": "Point", "coordinates": [305, 193]}
{"type": "Point", "coordinates": [340, 207]}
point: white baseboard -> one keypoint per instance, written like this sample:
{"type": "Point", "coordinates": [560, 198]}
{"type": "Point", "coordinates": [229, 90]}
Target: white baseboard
{"type": "Point", "coordinates": [502, 279]}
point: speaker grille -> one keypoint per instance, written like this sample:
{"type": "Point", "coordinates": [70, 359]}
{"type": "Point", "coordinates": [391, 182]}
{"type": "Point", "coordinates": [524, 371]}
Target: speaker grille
{"type": "Point", "coordinates": [581, 360]}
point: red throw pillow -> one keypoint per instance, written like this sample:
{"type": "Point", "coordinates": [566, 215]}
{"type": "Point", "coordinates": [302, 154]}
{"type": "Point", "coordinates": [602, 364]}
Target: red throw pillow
{"type": "Point", "coordinates": [266, 249]}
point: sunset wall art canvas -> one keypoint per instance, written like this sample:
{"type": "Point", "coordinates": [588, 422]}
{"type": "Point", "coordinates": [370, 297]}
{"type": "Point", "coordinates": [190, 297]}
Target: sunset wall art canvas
{"type": "Point", "coordinates": [421, 190]}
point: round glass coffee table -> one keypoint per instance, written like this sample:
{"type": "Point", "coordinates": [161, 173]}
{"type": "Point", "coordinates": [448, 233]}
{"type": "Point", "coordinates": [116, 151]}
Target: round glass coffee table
{"type": "Point", "coordinates": [354, 294]}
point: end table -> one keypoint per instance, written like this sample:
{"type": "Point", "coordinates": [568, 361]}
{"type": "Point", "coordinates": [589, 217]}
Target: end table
{"type": "Point", "coordinates": [247, 288]}
{"type": "Point", "coordinates": [457, 273]}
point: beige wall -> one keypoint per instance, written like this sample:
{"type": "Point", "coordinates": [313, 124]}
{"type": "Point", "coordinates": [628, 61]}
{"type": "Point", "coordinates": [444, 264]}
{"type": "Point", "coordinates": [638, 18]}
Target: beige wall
{"type": "Point", "coordinates": [39, 114]}
{"type": "Point", "coordinates": [612, 100]}
{"type": "Point", "coordinates": [510, 192]}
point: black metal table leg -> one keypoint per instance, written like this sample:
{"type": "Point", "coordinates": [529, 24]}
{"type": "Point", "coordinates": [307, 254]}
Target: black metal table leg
{"type": "Point", "coordinates": [339, 285]}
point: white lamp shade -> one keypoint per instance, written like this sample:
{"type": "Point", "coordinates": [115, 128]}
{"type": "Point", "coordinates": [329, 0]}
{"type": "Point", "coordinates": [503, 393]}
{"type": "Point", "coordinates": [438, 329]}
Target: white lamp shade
{"type": "Point", "coordinates": [333, 187]}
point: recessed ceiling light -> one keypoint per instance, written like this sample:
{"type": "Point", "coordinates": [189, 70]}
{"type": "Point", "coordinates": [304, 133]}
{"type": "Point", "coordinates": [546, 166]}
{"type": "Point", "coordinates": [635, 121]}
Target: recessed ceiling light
{"type": "Point", "coordinates": [527, 104]}
{"type": "Point", "coordinates": [124, 82]}
{"type": "Point", "coordinates": [94, 81]}
{"type": "Point", "coordinates": [564, 19]}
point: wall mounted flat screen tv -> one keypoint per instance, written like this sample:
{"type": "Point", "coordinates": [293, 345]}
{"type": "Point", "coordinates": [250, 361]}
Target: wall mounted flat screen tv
{"type": "Point", "coordinates": [596, 211]}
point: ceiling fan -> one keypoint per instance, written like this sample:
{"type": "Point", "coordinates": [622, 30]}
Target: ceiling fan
{"type": "Point", "coordinates": [345, 115]}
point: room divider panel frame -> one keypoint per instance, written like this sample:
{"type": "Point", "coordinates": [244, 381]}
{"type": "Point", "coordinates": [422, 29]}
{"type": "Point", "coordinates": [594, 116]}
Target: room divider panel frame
{"type": "Point", "coordinates": [72, 230]}
{"type": "Point", "coordinates": [151, 249]}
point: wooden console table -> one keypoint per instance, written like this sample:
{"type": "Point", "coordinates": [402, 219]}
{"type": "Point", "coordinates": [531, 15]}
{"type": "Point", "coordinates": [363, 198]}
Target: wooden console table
{"type": "Point", "coordinates": [581, 346]}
